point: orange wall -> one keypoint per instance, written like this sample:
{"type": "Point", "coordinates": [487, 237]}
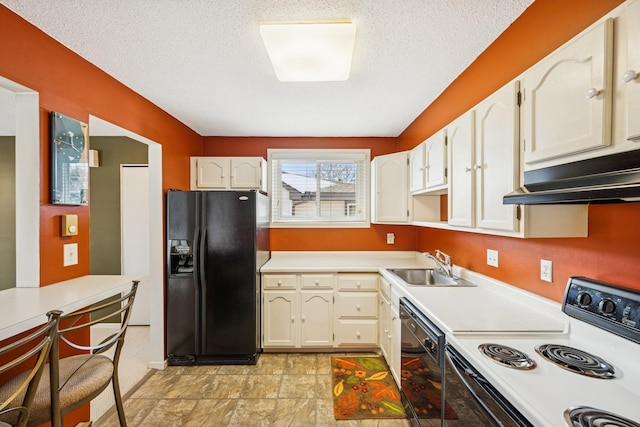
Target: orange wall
{"type": "Point", "coordinates": [70, 85]}
{"type": "Point", "coordinates": [320, 239]}
{"type": "Point", "coordinates": [611, 251]}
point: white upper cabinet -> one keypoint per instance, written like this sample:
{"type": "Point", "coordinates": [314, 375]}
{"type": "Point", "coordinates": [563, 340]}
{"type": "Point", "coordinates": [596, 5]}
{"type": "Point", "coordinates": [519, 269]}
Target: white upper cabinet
{"type": "Point", "coordinates": [496, 158]}
{"type": "Point", "coordinates": [416, 168]}
{"type": "Point", "coordinates": [390, 184]}
{"type": "Point", "coordinates": [627, 79]}
{"type": "Point", "coordinates": [228, 173]}
{"type": "Point", "coordinates": [567, 99]}
{"type": "Point", "coordinates": [461, 137]}
{"type": "Point", "coordinates": [428, 165]}
{"type": "Point", "coordinates": [436, 164]}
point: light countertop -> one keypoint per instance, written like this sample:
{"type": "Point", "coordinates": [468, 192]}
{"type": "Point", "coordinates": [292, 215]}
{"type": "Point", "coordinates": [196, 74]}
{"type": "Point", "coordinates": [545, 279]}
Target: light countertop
{"type": "Point", "coordinates": [491, 306]}
{"type": "Point", "coordinates": [342, 262]}
{"type": "Point", "coordinates": [24, 308]}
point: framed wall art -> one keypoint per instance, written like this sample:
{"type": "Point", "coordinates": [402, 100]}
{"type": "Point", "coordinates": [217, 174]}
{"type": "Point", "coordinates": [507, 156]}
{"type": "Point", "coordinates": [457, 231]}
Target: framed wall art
{"type": "Point", "coordinates": [69, 161]}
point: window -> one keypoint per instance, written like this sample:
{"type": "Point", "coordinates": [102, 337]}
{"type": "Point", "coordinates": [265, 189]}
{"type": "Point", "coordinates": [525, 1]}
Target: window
{"type": "Point", "coordinates": [319, 188]}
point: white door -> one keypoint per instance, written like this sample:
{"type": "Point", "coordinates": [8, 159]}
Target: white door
{"type": "Point", "coordinates": [496, 155]}
{"type": "Point", "coordinates": [461, 137]}
{"type": "Point", "coordinates": [416, 168]}
{"type": "Point", "coordinates": [212, 172]}
{"type": "Point", "coordinates": [630, 77]}
{"type": "Point", "coordinates": [316, 318]}
{"type": "Point", "coordinates": [391, 188]}
{"type": "Point", "coordinates": [134, 229]}
{"type": "Point", "coordinates": [567, 99]}
{"type": "Point", "coordinates": [246, 172]}
{"type": "Point", "coordinates": [279, 323]}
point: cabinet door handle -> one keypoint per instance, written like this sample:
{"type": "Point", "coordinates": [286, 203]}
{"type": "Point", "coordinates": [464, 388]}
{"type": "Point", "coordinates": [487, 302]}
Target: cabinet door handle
{"type": "Point", "coordinates": [629, 75]}
{"type": "Point", "coordinates": [302, 319]}
{"type": "Point", "coordinates": [592, 93]}
{"type": "Point", "coordinates": [293, 319]}
{"type": "Point", "coordinates": [476, 167]}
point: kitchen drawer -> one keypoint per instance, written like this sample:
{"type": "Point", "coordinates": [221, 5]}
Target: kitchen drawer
{"type": "Point", "coordinates": [279, 281]}
{"type": "Point", "coordinates": [317, 281]}
{"type": "Point", "coordinates": [355, 304]}
{"type": "Point", "coordinates": [358, 282]}
{"type": "Point", "coordinates": [356, 333]}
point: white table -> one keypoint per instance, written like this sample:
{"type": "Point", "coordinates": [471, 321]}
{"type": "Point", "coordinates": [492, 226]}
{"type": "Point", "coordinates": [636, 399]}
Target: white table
{"type": "Point", "coordinates": [24, 308]}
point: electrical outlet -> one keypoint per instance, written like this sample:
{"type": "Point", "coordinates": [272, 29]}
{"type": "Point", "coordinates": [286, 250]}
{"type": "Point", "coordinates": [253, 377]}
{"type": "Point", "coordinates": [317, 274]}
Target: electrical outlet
{"type": "Point", "coordinates": [70, 254]}
{"type": "Point", "coordinates": [391, 238]}
{"type": "Point", "coordinates": [546, 270]}
{"type": "Point", "coordinates": [492, 257]}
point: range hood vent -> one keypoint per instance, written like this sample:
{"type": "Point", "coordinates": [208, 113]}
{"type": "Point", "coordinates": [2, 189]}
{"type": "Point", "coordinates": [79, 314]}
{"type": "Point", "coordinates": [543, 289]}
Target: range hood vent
{"type": "Point", "coordinates": [614, 178]}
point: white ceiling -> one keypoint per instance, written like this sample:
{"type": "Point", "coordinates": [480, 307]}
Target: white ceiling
{"type": "Point", "coordinates": [203, 61]}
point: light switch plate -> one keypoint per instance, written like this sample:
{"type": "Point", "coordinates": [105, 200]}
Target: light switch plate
{"type": "Point", "coordinates": [70, 254]}
{"type": "Point", "coordinates": [492, 257]}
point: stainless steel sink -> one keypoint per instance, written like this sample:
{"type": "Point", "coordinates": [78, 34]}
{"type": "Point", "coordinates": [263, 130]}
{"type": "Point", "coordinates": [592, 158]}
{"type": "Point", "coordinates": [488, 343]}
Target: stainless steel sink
{"type": "Point", "coordinates": [427, 277]}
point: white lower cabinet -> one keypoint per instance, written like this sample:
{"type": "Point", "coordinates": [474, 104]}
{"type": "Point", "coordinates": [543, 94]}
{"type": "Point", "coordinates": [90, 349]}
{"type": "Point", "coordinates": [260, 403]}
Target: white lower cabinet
{"type": "Point", "coordinates": [316, 318]}
{"type": "Point", "coordinates": [297, 310]}
{"type": "Point", "coordinates": [384, 319]}
{"type": "Point", "coordinates": [357, 310]}
{"type": "Point", "coordinates": [279, 324]}
{"type": "Point", "coordinates": [323, 311]}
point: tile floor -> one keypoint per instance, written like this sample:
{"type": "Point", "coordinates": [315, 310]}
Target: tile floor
{"type": "Point", "coordinates": [281, 390]}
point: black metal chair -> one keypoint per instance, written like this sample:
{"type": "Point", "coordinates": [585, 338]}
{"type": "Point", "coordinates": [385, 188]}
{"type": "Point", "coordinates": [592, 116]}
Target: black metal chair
{"type": "Point", "coordinates": [72, 382]}
{"type": "Point", "coordinates": [18, 393]}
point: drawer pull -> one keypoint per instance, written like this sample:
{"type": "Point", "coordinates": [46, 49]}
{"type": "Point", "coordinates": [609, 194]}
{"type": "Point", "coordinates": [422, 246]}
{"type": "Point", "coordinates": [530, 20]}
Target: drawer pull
{"type": "Point", "coordinates": [279, 282]}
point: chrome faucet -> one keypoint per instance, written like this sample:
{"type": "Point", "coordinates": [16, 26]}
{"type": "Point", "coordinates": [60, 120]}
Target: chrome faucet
{"type": "Point", "coordinates": [443, 261]}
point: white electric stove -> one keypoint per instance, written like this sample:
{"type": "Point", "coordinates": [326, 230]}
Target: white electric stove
{"type": "Point", "coordinates": [598, 383]}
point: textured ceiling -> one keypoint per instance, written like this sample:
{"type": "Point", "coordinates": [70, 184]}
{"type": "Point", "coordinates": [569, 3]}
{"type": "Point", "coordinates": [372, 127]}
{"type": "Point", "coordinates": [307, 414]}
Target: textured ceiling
{"type": "Point", "coordinates": [203, 60]}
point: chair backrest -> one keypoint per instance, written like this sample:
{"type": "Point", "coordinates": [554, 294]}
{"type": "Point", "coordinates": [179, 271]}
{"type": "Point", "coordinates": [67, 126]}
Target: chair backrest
{"type": "Point", "coordinates": [31, 350]}
{"type": "Point", "coordinates": [81, 320]}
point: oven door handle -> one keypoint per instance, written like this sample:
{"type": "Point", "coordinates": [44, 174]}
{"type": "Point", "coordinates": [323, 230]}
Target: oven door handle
{"type": "Point", "coordinates": [463, 372]}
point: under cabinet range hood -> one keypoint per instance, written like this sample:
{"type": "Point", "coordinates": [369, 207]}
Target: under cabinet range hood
{"type": "Point", "coordinates": [613, 178]}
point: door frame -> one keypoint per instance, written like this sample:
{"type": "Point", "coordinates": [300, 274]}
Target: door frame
{"type": "Point", "coordinates": [100, 127]}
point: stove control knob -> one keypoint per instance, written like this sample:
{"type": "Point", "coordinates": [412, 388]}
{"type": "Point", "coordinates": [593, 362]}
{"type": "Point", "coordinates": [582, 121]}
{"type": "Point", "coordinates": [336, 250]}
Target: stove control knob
{"type": "Point", "coordinates": [583, 299]}
{"type": "Point", "coordinates": [607, 306]}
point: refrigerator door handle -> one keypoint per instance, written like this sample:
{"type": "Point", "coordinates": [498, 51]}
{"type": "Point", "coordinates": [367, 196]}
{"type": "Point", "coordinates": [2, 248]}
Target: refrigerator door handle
{"type": "Point", "coordinates": [197, 280]}
{"type": "Point", "coordinates": [202, 253]}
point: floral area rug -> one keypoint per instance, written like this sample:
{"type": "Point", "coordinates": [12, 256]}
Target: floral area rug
{"type": "Point", "coordinates": [363, 388]}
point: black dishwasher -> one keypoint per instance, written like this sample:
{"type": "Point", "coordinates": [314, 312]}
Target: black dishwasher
{"type": "Point", "coordinates": [439, 387]}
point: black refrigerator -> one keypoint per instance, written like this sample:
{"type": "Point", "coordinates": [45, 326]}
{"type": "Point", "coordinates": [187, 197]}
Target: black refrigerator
{"type": "Point", "coordinates": [217, 242]}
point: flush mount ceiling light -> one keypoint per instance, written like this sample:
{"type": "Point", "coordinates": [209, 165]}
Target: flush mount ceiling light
{"type": "Point", "coordinates": [310, 52]}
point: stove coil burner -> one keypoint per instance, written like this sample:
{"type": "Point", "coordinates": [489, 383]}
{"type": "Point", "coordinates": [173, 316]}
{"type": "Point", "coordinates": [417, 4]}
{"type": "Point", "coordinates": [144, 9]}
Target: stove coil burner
{"type": "Point", "coordinates": [584, 416]}
{"type": "Point", "coordinates": [507, 356]}
{"type": "Point", "coordinates": [577, 361]}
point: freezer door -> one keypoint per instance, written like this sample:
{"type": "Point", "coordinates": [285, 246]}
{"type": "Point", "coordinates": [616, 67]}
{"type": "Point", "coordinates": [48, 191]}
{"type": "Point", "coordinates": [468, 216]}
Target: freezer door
{"type": "Point", "coordinates": [230, 274]}
{"type": "Point", "coordinates": [183, 302]}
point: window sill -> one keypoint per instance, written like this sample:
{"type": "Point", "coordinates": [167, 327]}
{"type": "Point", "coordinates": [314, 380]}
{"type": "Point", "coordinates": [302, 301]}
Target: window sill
{"type": "Point", "coordinates": [320, 224]}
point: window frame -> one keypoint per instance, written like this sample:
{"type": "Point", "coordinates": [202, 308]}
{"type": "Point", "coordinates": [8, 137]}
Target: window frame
{"type": "Point", "coordinates": [314, 155]}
